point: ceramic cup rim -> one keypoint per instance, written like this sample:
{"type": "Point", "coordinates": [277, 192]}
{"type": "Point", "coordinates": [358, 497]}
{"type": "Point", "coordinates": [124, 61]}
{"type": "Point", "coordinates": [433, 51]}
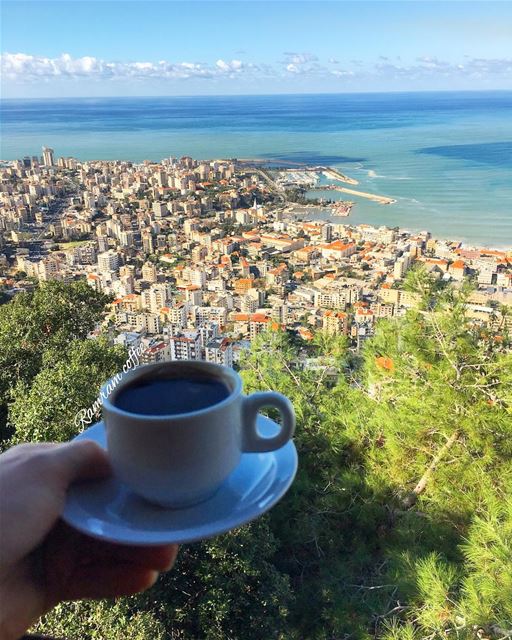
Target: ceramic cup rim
{"type": "Point", "coordinates": [217, 371]}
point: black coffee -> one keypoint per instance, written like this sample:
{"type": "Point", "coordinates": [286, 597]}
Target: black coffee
{"type": "Point", "coordinates": [171, 396]}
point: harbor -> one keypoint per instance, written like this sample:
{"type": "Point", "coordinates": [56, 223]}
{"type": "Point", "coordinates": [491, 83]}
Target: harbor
{"type": "Point", "coordinates": [313, 179]}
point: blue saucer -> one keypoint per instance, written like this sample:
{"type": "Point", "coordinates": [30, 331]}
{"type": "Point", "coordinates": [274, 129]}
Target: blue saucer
{"type": "Point", "coordinates": [108, 510]}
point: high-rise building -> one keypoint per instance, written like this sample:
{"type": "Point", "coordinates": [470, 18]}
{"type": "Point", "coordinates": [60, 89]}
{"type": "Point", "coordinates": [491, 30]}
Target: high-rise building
{"type": "Point", "coordinates": [48, 159]}
{"type": "Point", "coordinates": [108, 261]}
{"type": "Point", "coordinates": [148, 245]}
{"type": "Point", "coordinates": [335, 323]}
{"type": "Point", "coordinates": [327, 232]}
{"type": "Point", "coordinates": [185, 346]}
{"type": "Point", "coordinates": [150, 322]}
{"type": "Point", "coordinates": [400, 267]}
{"type": "Point", "coordinates": [149, 272]}
{"type": "Point", "coordinates": [156, 297]}
{"type": "Point", "coordinates": [220, 351]}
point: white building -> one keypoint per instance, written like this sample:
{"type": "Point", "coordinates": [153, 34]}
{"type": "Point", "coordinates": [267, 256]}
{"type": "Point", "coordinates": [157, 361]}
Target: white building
{"type": "Point", "coordinates": [48, 159]}
{"type": "Point", "coordinates": [401, 266]}
{"type": "Point", "coordinates": [197, 277]}
{"type": "Point", "coordinates": [149, 272]}
{"type": "Point", "coordinates": [185, 346]}
{"type": "Point", "coordinates": [160, 209]}
{"type": "Point", "coordinates": [220, 351]}
{"type": "Point", "coordinates": [150, 322]}
{"type": "Point", "coordinates": [201, 315]}
{"type": "Point", "coordinates": [156, 352]}
{"type": "Point", "coordinates": [108, 261]}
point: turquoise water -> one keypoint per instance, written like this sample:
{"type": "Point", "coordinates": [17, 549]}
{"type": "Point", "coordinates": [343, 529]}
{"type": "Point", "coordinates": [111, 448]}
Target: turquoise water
{"type": "Point", "coordinates": [445, 157]}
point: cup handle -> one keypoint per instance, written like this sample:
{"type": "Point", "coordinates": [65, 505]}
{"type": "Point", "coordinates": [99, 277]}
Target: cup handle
{"type": "Point", "coordinates": [252, 441]}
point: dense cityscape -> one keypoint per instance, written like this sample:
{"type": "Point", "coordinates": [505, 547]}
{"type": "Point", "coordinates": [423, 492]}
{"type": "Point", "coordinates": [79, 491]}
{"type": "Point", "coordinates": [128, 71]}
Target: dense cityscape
{"type": "Point", "coordinates": [201, 256]}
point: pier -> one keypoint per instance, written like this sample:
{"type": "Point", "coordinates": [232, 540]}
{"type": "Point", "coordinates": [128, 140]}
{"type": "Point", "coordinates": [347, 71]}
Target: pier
{"type": "Point", "coordinates": [334, 174]}
{"type": "Point", "coordinates": [361, 194]}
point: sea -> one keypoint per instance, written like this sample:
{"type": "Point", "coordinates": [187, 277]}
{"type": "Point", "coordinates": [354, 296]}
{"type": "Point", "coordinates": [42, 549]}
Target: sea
{"type": "Point", "coordinates": [445, 157]}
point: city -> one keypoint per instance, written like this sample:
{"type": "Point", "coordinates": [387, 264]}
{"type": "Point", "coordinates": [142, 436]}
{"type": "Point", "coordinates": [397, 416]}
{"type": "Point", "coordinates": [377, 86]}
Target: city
{"type": "Point", "coordinates": [199, 257]}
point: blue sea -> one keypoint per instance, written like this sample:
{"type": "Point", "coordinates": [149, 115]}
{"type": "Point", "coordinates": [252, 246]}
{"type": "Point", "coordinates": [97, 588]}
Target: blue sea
{"type": "Point", "coordinates": [445, 157]}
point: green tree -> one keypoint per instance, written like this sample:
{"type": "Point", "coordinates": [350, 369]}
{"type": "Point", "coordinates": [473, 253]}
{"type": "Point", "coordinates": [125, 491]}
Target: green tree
{"type": "Point", "coordinates": [47, 319]}
{"type": "Point", "coordinates": [49, 407]}
{"type": "Point", "coordinates": [87, 620]}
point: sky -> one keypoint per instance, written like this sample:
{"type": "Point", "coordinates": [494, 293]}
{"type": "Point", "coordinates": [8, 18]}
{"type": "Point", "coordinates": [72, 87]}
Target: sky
{"type": "Point", "coordinates": [92, 48]}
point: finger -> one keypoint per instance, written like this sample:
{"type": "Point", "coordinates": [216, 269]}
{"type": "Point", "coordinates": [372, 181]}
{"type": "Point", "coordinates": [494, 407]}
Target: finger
{"type": "Point", "coordinates": [87, 550]}
{"type": "Point", "coordinates": [108, 581]}
{"type": "Point", "coordinates": [68, 550]}
{"type": "Point", "coordinates": [81, 460]}
{"type": "Point", "coordinates": [159, 558]}
{"type": "Point", "coordinates": [156, 558]}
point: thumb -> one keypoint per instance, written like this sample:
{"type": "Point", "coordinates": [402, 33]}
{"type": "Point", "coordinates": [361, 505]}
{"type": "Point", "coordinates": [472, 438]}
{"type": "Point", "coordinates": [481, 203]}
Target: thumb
{"type": "Point", "coordinates": [81, 460]}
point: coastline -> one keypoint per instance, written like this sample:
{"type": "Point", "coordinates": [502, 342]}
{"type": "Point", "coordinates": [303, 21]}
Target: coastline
{"type": "Point", "coordinates": [460, 189]}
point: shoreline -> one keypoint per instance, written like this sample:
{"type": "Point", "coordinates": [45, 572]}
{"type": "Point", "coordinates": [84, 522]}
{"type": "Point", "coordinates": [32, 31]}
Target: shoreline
{"type": "Point", "coordinates": [466, 243]}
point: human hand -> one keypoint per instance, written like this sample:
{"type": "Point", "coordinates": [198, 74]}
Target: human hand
{"type": "Point", "coordinates": [42, 560]}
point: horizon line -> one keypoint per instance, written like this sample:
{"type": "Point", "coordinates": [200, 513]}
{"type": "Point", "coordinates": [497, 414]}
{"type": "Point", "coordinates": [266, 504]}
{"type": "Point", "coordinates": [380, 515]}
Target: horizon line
{"type": "Point", "coordinates": [255, 95]}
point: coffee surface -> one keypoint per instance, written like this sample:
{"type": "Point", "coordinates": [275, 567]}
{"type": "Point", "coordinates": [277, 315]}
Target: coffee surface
{"type": "Point", "coordinates": [171, 396]}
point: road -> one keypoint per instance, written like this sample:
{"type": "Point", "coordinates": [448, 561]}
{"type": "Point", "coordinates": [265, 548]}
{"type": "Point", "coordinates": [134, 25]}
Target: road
{"type": "Point", "coordinates": [56, 208]}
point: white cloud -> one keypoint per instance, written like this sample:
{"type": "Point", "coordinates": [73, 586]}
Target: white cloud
{"type": "Point", "coordinates": [301, 64]}
{"type": "Point", "coordinates": [340, 73]}
{"type": "Point", "coordinates": [20, 66]}
{"type": "Point", "coordinates": [307, 65]}
{"type": "Point", "coordinates": [428, 66]}
{"type": "Point", "coordinates": [293, 68]}
{"type": "Point", "coordinates": [299, 58]}
{"type": "Point", "coordinates": [234, 65]}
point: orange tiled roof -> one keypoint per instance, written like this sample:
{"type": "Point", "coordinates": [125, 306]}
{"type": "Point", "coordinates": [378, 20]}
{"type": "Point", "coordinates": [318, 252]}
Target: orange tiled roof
{"type": "Point", "coordinates": [338, 245]}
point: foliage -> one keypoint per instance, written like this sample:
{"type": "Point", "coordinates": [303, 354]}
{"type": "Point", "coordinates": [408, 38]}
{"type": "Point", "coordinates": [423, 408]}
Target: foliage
{"type": "Point", "coordinates": [87, 620]}
{"type": "Point", "coordinates": [225, 588]}
{"type": "Point", "coordinates": [68, 383]}
{"type": "Point", "coordinates": [399, 523]}
{"type": "Point", "coordinates": [36, 329]}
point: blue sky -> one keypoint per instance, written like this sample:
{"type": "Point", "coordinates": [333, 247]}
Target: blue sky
{"type": "Point", "coordinates": [132, 47]}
